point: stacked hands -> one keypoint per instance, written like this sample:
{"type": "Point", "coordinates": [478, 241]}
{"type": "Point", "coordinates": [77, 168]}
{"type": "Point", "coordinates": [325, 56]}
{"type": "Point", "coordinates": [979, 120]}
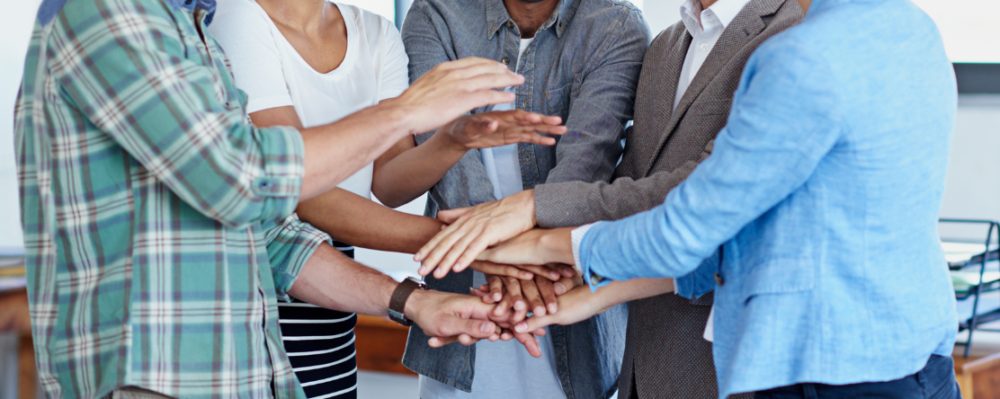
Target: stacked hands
{"type": "Point", "coordinates": [530, 282]}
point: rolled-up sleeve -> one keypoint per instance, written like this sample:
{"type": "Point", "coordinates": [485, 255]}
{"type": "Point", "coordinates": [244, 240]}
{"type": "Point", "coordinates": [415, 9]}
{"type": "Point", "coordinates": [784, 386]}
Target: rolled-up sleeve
{"type": "Point", "coordinates": [290, 244]}
{"type": "Point", "coordinates": [172, 116]}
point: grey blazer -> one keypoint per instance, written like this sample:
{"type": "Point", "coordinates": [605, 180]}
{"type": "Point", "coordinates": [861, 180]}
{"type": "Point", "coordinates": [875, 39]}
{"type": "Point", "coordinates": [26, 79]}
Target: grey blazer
{"type": "Point", "coordinates": [665, 354]}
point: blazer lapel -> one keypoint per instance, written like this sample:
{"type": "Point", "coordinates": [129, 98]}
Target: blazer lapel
{"type": "Point", "coordinates": [657, 90]}
{"type": "Point", "coordinates": [744, 28]}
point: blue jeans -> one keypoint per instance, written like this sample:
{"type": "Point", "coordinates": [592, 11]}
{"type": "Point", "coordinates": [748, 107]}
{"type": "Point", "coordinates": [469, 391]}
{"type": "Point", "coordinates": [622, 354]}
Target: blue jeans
{"type": "Point", "coordinates": [935, 381]}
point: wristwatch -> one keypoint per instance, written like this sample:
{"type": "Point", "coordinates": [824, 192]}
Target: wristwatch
{"type": "Point", "coordinates": [398, 302]}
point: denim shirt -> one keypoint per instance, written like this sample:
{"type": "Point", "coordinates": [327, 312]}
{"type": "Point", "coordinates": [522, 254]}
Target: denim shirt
{"type": "Point", "coordinates": [825, 188]}
{"type": "Point", "coordinates": [583, 65]}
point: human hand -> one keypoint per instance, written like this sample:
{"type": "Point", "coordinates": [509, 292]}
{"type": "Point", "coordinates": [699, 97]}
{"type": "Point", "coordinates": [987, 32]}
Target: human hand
{"type": "Point", "coordinates": [452, 89]}
{"type": "Point", "coordinates": [503, 332]}
{"type": "Point", "coordinates": [514, 298]}
{"type": "Point", "coordinates": [498, 128]}
{"type": "Point", "coordinates": [523, 272]}
{"type": "Point", "coordinates": [474, 229]}
{"type": "Point", "coordinates": [577, 305]}
{"type": "Point", "coordinates": [462, 317]}
{"type": "Point", "coordinates": [535, 247]}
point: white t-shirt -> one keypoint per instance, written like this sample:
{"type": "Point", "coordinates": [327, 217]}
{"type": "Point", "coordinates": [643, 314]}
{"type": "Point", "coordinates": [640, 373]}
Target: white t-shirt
{"type": "Point", "coordinates": [273, 74]}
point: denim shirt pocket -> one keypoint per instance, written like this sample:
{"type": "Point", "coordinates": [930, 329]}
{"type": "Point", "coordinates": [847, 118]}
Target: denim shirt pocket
{"type": "Point", "coordinates": [779, 276]}
{"type": "Point", "coordinates": [557, 100]}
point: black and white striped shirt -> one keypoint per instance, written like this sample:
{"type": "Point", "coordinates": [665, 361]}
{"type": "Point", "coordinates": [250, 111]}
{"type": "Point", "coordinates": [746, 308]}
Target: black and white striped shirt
{"type": "Point", "coordinates": [320, 346]}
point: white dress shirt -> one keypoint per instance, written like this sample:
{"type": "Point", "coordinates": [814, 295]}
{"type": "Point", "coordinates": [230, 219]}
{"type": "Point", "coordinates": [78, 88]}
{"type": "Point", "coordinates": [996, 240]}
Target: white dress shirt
{"type": "Point", "coordinates": [705, 28]}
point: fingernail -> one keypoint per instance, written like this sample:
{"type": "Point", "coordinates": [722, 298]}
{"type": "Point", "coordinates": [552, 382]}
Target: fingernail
{"type": "Point", "coordinates": [552, 308]}
{"type": "Point", "coordinates": [521, 327]}
{"type": "Point", "coordinates": [560, 289]}
{"type": "Point", "coordinates": [519, 305]}
{"type": "Point", "coordinates": [497, 297]}
{"type": "Point", "coordinates": [555, 276]}
{"type": "Point", "coordinates": [422, 270]}
{"type": "Point", "coordinates": [487, 327]}
{"type": "Point", "coordinates": [539, 310]}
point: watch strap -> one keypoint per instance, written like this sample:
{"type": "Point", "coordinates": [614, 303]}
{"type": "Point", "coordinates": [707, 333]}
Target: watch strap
{"type": "Point", "coordinates": [398, 301]}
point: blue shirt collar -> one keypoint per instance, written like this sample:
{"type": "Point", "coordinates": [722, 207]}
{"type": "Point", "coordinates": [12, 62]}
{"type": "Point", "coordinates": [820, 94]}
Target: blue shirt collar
{"type": "Point", "coordinates": [497, 17]}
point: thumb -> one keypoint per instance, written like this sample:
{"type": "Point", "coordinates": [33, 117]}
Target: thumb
{"type": "Point", "coordinates": [452, 215]}
{"type": "Point", "coordinates": [536, 322]}
{"type": "Point", "coordinates": [479, 329]}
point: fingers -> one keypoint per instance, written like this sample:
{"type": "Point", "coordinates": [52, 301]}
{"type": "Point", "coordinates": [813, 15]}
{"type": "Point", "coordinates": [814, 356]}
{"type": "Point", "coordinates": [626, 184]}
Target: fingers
{"type": "Point", "coordinates": [437, 342]}
{"type": "Point", "coordinates": [534, 298]}
{"type": "Point", "coordinates": [465, 62]}
{"type": "Point", "coordinates": [496, 269]}
{"type": "Point", "coordinates": [547, 290]}
{"type": "Point", "coordinates": [535, 323]}
{"type": "Point", "coordinates": [518, 303]}
{"type": "Point", "coordinates": [481, 85]}
{"type": "Point", "coordinates": [496, 287]}
{"type": "Point", "coordinates": [530, 343]}
{"type": "Point", "coordinates": [565, 270]}
{"type": "Point", "coordinates": [542, 271]}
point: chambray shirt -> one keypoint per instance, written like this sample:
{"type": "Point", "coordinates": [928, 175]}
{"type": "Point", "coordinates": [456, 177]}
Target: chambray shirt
{"type": "Point", "coordinates": [825, 189]}
{"type": "Point", "coordinates": [582, 65]}
{"type": "Point", "coordinates": [157, 218]}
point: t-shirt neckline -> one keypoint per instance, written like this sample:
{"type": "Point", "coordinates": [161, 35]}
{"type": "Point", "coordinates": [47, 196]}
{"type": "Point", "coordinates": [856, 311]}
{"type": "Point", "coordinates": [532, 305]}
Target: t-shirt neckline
{"type": "Point", "coordinates": [349, 56]}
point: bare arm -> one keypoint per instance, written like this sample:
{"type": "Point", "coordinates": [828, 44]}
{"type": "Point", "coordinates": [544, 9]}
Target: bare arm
{"type": "Point", "coordinates": [407, 170]}
{"type": "Point", "coordinates": [334, 281]}
{"type": "Point", "coordinates": [335, 151]}
{"type": "Point", "coordinates": [581, 303]}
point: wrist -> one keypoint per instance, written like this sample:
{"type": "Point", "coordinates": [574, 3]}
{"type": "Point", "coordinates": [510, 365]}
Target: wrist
{"type": "Point", "coordinates": [527, 204]}
{"type": "Point", "coordinates": [415, 303]}
{"type": "Point", "coordinates": [445, 140]}
{"type": "Point", "coordinates": [395, 112]}
{"type": "Point", "coordinates": [558, 245]}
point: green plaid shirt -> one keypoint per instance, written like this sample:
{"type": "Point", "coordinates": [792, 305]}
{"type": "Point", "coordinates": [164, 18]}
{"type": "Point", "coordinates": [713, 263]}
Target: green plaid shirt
{"type": "Point", "coordinates": [158, 221]}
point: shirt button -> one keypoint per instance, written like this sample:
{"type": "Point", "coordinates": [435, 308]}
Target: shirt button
{"type": "Point", "coordinates": [264, 185]}
{"type": "Point", "coordinates": [704, 47]}
{"type": "Point", "coordinates": [595, 279]}
{"type": "Point", "coordinates": [510, 24]}
{"type": "Point", "coordinates": [505, 61]}
{"type": "Point", "coordinates": [719, 280]}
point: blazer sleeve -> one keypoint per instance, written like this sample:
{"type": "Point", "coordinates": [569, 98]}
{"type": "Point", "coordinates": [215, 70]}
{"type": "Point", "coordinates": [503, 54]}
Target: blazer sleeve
{"type": "Point", "coordinates": [577, 203]}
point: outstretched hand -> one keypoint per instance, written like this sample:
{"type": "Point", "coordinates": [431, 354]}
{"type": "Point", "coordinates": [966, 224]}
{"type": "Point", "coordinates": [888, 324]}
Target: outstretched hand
{"type": "Point", "coordinates": [499, 128]}
{"type": "Point", "coordinates": [472, 230]}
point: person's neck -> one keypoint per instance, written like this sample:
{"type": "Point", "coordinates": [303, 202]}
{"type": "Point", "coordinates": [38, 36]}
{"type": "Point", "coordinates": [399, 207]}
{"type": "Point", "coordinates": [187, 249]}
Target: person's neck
{"type": "Point", "coordinates": [530, 15]}
{"type": "Point", "coordinates": [301, 15]}
{"type": "Point", "coordinates": [707, 3]}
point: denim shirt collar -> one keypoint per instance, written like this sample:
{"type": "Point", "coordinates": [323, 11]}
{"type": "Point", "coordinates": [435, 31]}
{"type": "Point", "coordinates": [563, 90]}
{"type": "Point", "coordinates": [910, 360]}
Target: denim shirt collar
{"type": "Point", "coordinates": [497, 17]}
{"type": "Point", "coordinates": [194, 5]}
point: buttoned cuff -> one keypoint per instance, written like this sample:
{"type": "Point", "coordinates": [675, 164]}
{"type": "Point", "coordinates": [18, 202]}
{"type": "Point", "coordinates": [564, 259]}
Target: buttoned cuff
{"type": "Point", "coordinates": [577, 237]}
{"type": "Point", "coordinates": [282, 154]}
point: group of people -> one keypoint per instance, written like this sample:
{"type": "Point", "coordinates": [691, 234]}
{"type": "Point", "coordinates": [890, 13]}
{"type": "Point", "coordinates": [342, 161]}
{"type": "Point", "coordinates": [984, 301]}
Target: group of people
{"type": "Point", "coordinates": [743, 206]}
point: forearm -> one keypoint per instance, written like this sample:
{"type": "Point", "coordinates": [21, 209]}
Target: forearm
{"type": "Point", "coordinates": [410, 174]}
{"type": "Point", "coordinates": [332, 280]}
{"type": "Point", "coordinates": [335, 151]}
{"type": "Point", "coordinates": [361, 222]}
{"type": "Point", "coordinates": [619, 292]}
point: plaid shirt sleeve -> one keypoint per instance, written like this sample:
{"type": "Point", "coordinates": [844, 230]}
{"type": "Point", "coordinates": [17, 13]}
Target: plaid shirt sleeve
{"type": "Point", "coordinates": [173, 116]}
{"type": "Point", "coordinates": [290, 244]}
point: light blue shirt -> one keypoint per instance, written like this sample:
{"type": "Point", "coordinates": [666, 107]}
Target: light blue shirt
{"type": "Point", "coordinates": [824, 190]}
